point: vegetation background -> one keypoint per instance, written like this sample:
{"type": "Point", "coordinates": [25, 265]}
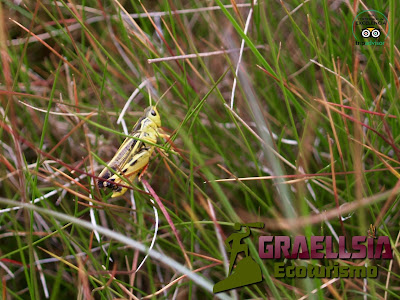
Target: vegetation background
{"type": "Point", "coordinates": [274, 96]}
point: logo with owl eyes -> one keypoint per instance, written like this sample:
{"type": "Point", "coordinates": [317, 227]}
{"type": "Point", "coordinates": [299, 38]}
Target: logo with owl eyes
{"type": "Point", "coordinates": [370, 27]}
{"type": "Point", "coordinates": [370, 32]}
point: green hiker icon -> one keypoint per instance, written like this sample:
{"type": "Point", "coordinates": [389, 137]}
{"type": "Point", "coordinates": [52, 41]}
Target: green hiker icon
{"type": "Point", "coordinates": [237, 247]}
{"type": "Point", "coordinates": [247, 270]}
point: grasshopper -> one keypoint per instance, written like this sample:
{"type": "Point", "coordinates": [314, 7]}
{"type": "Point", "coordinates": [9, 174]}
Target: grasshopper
{"type": "Point", "coordinates": [134, 154]}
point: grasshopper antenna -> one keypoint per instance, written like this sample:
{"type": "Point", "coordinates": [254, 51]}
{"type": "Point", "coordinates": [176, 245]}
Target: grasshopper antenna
{"type": "Point", "coordinates": [150, 98]}
{"type": "Point", "coordinates": [162, 96]}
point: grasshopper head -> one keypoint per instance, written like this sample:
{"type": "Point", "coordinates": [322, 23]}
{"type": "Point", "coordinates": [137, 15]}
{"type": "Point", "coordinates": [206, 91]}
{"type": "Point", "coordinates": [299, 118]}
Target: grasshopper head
{"type": "Point", "coordinates": [152, 113]}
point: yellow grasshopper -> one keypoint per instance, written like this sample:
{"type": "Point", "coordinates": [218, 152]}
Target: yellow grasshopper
{"type": "Point", "coordinates": [134, 154]}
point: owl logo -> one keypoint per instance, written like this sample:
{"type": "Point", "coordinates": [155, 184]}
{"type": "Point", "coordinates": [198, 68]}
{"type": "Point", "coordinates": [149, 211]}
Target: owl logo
{"type": "Point", "coordinates": [370, 31]}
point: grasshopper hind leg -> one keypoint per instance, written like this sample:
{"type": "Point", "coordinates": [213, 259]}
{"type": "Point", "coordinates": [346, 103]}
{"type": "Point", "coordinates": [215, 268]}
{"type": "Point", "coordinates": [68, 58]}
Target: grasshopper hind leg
{"type": "Point", "coordinates": [131, 170]}
{"type": "Point", "coordinates": [120, 190]}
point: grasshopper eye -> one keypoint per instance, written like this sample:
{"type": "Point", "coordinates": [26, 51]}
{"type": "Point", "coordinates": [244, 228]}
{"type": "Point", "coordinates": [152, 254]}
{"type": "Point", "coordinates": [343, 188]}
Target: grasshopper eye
{"type": "Point", "coordinates": [153, 113]}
